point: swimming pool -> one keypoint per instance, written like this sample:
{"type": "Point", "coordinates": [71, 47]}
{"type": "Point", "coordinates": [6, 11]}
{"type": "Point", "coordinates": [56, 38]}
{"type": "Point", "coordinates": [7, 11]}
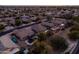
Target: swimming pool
{"type": "Point", "coordinates": [14, 39]}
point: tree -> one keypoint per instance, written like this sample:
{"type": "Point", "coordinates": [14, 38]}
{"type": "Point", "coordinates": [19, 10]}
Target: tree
{"type": "Point", "coordinates": [76, 18]}
{"type": "Point", "coordinates": [41, 36]}
{"type": "Point", "coordinates": [49, 33]}
{"type": "Point", "coordinates": [1, 27]}
{"type": "Point", "coordinates": [40, 48]}
{"type": "Point", "coordinates": [58, 43]}
{"type": "Point", "coordinates": [67, 16]}
{"type": "Point", "coordinates": [18, 22]}
{"type": "Point", "coordinates": [49, 18]}
{"type": "Point", "coordinates": [69, 23]}
{"type": "Point", "coordinates": [44, 35]}
{"type": "Point", "coordinates": [74, 28]}
{"type": "Point", "coordinates": [74, 35]}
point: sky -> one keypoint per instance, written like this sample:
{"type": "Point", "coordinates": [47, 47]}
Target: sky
{"type": "Point", "coordinates": [39, 2]}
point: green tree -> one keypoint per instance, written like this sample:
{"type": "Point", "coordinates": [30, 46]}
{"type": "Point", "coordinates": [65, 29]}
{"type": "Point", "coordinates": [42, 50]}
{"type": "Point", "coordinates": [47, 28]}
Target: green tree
{"type": "Point", "coordinates": [18, 22]}
{"type": "Point", "coordinates": [76, 18]}
{"type": "Point", "coordinates": [74, 35]}
{"type": "Point", "coordinates": [49, 18]}
{"type": "Point", "coordinates": [41, 36]}
{"type": "Point", "coordinates": [67, 16]}
{"type": "Point", "coordinates": [74, 28]}
{"type": "Point", "coordinates": [58, 43]}
{"type": "Point", "coordinates": [41, 48]}
{"type": "Point", "coordinates": [38, 49]}
{"type": "Point", "coordinates": [49, 33]}
{"type": "Point", "coordinates": [1, 27]}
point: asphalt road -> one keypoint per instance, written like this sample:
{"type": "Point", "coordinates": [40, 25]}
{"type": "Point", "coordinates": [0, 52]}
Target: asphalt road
{"type": "Point", "coordinates": [76, 50]}
{"type": "Point", "coordinates": [5, 32]}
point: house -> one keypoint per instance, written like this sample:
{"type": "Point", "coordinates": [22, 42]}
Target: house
{"type": "Point", "coordinates": [47, 24]}
{"type": "Point", "coordinates": [59, 24]}
{"type": "Point", "coordinates": [10, 20]}
{"type": "Point", "coordinates": [6, 41]}
{"type": "Point", "coordinates": [33, 18]}
{"type": "Point", "coordinates": [55, 24]}
{"type": "Point", "coordinates": [38, 28]}
{"type": "Point", "coordinates": [25, 18]}
{"type": "Point", "coordinates": [3, 23]}
{"type": "Point", "coordinates": [23, 33]}
{"type": "Point", "coordinates": [59, 21]}
{"type": "Point", "coordinates": [8, 28]}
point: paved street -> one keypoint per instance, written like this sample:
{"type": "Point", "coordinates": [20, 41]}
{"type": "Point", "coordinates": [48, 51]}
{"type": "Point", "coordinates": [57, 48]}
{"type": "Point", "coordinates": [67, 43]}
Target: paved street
{"type": "Point", "coordinates": [6, 32]}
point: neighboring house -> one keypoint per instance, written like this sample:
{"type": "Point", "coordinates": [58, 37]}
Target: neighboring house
{"type": "Point", "coordinates": [33, 18]}
{"type": "Point", "coordinates": [76, 14]}
{"type": "Point", "coordinates": [8, 28]}
{"type": "Point", "coordinates": [47, 24]}
{"type": "Point", "coordinates": [59, 21]}
{"type": "Point", "coordinates": [25, 18]}
{"type": "Point", "coordinates": [48, 13]}
{"type": "Point", "coordinates": [3, 23]}
{"type": "Point", "coordinates": [6, 41]}
{"type": "Point", "coordinates": [10, 20]}
{"type": "Point", "coordinates": [56, 23]}
{"type": "Point", "coordinates": [38, 28]}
